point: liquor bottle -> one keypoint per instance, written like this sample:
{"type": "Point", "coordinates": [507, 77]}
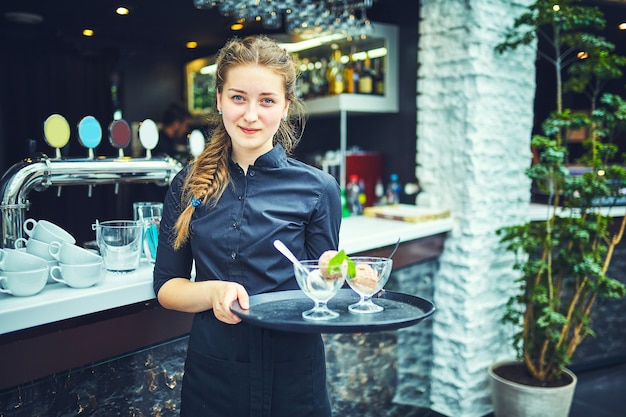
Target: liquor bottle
{"type": "Point", "coordinates": [358, 69]}
{"type": "Point", "coordinates": [379, 192]}
{"type": "Point", "coordinates": [365, 78]}
{"type": "Point", "coordinates": [348, 73]}
{"type": "Point", "coordinates": [319, 86]}
{"type": "Point", "coordinates": [353, 190]}
{"type": "Point", "coordinates": [379, 77]}
{"type": "Point", "coordinates": [345, 210]}
{"type": "Point", "coordinates": [393, 190]}
{"type": "Point", "coordinates": [334, 74]}
{"type": "Point", "coordinates": [304, 80]}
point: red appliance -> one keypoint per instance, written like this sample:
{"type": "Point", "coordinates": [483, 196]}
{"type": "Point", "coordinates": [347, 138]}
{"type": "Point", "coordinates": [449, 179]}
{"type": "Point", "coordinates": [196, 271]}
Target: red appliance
{"type": "Point", "coordinates": [368, 166]}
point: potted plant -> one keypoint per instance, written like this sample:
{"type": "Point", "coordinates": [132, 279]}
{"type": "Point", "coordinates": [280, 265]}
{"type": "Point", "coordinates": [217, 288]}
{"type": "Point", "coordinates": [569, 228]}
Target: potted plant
{"type": "Point", "coordinates": [563, 260]}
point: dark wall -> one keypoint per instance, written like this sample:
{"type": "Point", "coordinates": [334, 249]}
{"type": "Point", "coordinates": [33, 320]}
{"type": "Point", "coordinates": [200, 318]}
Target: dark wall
{"type": "Point", "coordinates": [150, 80]}
{"type": "Point", "coordinates": [39, 79]}
{"type": "Point", "coordinates": [74, 79]}
{"type": "Point", "coordinates": [42, 79]}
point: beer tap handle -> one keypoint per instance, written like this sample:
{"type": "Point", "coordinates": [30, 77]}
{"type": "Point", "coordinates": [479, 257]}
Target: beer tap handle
{"type": "Point", "coordinates": [119, 135]}
{"type": "Point", "coordinates": [56, 132]}
{"type": "Point", "coordinates": [89, 134]}
{"type": "Point", "coordinates": [196, 143]}
{"type": "Point", "coordinates": [148, 136]}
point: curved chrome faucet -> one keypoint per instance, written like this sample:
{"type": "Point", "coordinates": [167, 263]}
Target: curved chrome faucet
{"type": "Point", "coordinates": [41, 172]}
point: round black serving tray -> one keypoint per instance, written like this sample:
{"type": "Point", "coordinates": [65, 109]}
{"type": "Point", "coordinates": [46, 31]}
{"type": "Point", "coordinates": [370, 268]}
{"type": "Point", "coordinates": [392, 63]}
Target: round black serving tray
{"type": "Point", "coordinates": [283, 311]}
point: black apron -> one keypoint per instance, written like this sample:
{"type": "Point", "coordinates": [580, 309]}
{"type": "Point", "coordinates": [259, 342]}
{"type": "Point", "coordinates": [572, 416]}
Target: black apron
{"type": "Point", "coordinates": [245, 371]}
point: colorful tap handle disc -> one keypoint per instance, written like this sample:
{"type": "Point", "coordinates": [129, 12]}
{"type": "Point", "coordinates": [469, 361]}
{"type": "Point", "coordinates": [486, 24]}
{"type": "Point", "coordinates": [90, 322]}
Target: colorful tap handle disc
{"type": "Point", "coordinates": [196, 143]}
{"type": "Point", "coordinates": [148, 134]}
{"type": "Point", "coordinates": [89, 132]}
{"type": "Point", "coordinates": [119, 133]}
{"type": "Point", "coordinates": [56, 131]}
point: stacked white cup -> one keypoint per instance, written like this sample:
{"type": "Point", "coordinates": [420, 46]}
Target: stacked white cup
{"type": "Point", "coordinates": [78, 267]}
{"type": "Point", "coordinates": [40, 234]}
{"type": "Point", "coordinates": [22, 274]}
{"type": "Point", "coordinates": [67, 263]}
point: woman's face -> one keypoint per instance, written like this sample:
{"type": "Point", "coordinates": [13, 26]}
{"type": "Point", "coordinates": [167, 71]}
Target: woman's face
{"type": "Point", "coordinates": [252, 103]}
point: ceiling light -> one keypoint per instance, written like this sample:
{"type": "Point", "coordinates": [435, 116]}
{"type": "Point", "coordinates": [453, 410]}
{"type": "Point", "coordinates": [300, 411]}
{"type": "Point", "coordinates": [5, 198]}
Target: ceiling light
{"type": "Point", "coordinates": [88, 32]}
{"type": "Point", "coordinates": [622, 26]}
{"type": "Point", "coordinates": [122, 11]}
{"type": "Point", "coordinates": [191, 45]}
{"type": "Point", "coordinates": [236, 26]}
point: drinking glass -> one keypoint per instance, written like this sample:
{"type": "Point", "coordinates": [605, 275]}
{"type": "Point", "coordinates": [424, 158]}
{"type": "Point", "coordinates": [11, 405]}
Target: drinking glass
{"type": "Point", "coordinates": [119, 242]}
{"type": "Point", "coordinates": [319, 288]}
{"type": "Point", "coordinates": [148, 214]}
{"type": "Point", "coordinates": [372, 274]}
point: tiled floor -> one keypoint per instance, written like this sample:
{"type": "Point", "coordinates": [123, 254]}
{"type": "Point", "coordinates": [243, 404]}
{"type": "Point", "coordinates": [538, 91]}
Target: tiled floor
{"type": "Point", "coordinates": [600, 393]}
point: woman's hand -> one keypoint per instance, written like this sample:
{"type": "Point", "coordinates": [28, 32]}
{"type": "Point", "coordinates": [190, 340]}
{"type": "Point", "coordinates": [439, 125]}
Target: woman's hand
{"type": "Point", "coordinates": [193, 297]}
{"type": "Point", "coordinates": [223, 296]}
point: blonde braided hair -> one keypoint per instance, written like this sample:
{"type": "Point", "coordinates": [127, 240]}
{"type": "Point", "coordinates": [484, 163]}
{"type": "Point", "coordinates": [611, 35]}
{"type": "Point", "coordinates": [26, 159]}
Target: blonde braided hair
{"type": "Point", "coordinates": [208, 175]}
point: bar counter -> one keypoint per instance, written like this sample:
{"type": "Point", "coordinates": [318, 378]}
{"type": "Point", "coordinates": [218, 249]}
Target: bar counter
{"type": "Point", "coordinates": [63, 328]}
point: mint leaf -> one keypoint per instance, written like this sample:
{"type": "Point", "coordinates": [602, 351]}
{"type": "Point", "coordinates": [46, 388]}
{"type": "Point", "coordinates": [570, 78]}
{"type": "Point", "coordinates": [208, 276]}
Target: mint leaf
{"type": "Point", "coordinates": [335, 263]}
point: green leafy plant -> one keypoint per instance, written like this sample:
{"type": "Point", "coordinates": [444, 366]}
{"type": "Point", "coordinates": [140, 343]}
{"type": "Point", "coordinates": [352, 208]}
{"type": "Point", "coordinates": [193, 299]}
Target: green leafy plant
{"type": "Point", "coordinates": [563, 260]}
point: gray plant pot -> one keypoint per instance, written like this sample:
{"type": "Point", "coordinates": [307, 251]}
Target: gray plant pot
{"type": "Point", "coordinates": [511, 399]}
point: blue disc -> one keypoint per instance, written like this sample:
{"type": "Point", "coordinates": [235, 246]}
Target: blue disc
{"type": "Point", "coordinates": [89, 132]}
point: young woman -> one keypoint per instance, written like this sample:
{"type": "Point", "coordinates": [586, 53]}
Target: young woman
{"type": "Point", "coordinates": [222, 213]}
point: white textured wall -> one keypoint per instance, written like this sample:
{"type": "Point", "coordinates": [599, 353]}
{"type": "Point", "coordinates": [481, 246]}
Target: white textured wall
{"type": "Point", "coordinates": [475, 115]}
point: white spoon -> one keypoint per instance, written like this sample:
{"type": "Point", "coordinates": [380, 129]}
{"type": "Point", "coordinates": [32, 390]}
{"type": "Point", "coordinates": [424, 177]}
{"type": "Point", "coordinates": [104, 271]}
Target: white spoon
{"type": "Point", "coordinates": [288, 254]}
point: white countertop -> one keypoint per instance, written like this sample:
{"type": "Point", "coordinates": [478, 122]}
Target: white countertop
{"type": "Point", "coordinates": [59, 302]}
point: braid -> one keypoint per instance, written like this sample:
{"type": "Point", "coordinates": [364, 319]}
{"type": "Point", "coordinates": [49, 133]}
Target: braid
{"type": "Point", "coordinates": [207, 180]}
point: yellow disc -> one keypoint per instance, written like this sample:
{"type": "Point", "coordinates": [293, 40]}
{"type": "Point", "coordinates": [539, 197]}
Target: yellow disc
{"type": "Point", "coordinates": [56, 131]}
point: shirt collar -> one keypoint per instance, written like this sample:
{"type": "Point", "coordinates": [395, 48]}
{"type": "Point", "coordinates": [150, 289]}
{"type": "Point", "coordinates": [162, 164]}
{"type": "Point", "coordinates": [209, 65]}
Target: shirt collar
{"type": "Point", "coordinates": [273, 159]}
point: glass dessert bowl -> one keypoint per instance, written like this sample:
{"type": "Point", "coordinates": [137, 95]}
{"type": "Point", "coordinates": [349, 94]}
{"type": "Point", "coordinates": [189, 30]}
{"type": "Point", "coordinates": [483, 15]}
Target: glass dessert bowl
{"type": "Point", "coordinates": [319, 287]}
{"type": "Point", "coordinates": [372, 273]}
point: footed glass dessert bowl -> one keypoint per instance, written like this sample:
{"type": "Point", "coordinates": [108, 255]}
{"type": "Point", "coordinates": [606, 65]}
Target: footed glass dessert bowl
{"type": "Point", "coordinates": [320, 286]}
{"type": "Point", "coordinates": [372, 273]}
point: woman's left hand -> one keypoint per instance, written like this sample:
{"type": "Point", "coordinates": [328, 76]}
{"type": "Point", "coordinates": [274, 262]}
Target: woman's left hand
{"type": "Point", "coordinates": [223, 295]}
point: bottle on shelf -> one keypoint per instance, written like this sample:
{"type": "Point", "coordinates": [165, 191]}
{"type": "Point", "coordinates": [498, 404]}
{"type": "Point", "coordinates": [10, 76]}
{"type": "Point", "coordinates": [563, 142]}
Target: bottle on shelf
{"type": "Point", "coordinates": [334, 74]}
{"type": "Point", "coordinates": [379, 192]}
{"type": "Point", "coordinates": [304, 80]}
{"type": "Point", "coordinates": [345, 210]}
{"type": "Point", "coordinates": [319, 85]}
{"type": "Point", "coordinates": [353, 192]}
{"type": "Point", "coordinates": [393, 190]}
{"type": "Point", "coordinates": [348, 73]}
{"type": "Point", "coordinates": [362, 195]}
{"type": "Point", "coordinates": [358, 69]}
{"type": "Point", "coordinates": [379, 77]}
{"type": "Point", "coordinates": [366, 82]}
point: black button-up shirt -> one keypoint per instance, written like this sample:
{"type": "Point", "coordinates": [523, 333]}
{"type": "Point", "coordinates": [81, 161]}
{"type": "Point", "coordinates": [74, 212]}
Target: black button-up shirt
{"type": "Point", "coordinates": [279, 198]}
